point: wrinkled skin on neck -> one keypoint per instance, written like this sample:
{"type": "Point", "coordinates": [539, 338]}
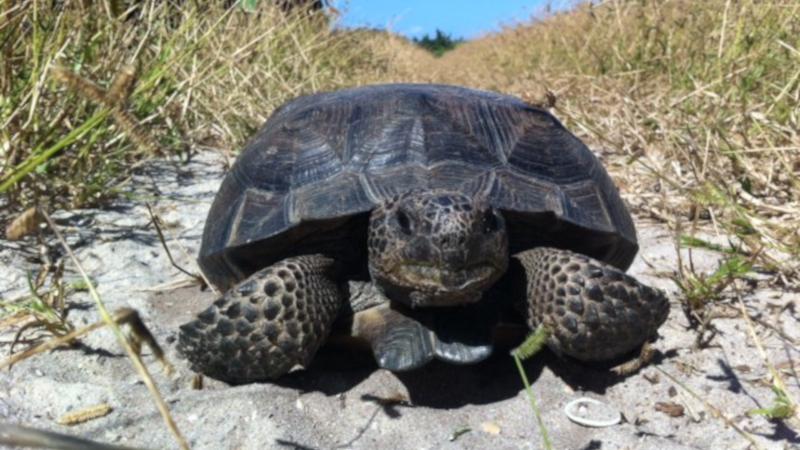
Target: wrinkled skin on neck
{"type": "Point", "coordinates": [436, 248]}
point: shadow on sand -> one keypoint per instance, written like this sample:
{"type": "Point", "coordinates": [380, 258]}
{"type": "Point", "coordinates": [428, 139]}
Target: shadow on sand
{"type": "Point", "coordinates": [442, 385]}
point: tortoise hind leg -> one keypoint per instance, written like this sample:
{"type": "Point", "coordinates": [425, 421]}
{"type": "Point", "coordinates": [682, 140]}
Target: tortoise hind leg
{"type": "Point", "coordinates": [593, 311]}
{"type": "Point", "coordinates": [265, 325]}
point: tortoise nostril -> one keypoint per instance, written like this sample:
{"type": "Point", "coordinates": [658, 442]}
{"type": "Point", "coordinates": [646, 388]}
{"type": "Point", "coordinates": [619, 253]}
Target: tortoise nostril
{"type": "Point", "coordinates": [452, 241]}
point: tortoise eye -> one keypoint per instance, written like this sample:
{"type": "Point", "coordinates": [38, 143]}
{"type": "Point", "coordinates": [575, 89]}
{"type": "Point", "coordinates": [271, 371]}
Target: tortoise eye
{"type": "Point", "coordinates": [489, 222]}
{"type": "Point", "coordinates": [404, 221]}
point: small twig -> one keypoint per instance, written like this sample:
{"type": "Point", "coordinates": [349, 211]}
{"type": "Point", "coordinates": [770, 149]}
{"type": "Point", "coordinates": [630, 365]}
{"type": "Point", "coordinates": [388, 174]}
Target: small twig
{"type": "Point", "coordinates": [86, 414]}
{"type": "Point", "coordinates": [764, 323]}
{"type": "Point", "coordinates": [712, 409]}
{"type": "Point", "coordinates": [777, 380]}
{"type": "Point", "coordinates": [137, 361]}
{"type": "Point", "coordinates": [156, 223]}
{"type": "Point", "coordinates": [169, 285]}
{"type": "Point", "coordinates": [115, 101]}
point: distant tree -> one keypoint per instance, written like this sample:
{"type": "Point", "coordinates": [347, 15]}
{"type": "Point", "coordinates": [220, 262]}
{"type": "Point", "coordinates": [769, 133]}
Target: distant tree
{"type": "Point", "coordinates": [286, 5]}
{"type": "Point", "coordinates": [438, 44]}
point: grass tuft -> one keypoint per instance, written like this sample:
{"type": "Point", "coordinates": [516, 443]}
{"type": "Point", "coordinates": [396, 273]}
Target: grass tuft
{"type": "Point", "coordinates": [88, 92]}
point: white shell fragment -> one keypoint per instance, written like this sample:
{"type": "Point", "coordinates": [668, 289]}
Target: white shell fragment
{"type": "Point", "coordinates": [592, 413]}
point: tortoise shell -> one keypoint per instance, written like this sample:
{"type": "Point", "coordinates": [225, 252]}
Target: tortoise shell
{"type": "Point", "coordinates": [308, 179]}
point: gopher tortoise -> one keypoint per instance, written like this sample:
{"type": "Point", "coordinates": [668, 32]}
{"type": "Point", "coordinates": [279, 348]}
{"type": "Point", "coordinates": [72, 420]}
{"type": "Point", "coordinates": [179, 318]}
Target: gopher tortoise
{"type": "Point", "coordinates": [415, 219]}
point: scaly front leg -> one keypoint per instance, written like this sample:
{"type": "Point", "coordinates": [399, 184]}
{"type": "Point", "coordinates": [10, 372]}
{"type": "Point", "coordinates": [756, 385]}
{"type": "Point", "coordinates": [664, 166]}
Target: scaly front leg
{"type": "Point", "coordinates": [265, 325]}
{"type": "Point", "coordinates": [592, 311]}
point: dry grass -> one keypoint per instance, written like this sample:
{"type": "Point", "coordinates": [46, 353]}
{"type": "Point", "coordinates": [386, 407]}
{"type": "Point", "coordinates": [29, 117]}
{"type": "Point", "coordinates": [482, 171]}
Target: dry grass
{"type": "Point", "coordinates": [90, 88]}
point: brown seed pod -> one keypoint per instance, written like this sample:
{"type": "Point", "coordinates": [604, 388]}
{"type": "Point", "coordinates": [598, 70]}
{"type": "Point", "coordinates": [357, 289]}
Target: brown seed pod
{"type": "Point", "coordinates": [121, 85]}
{"type": "Point", "coordinates": [85, 414]}
{"type": "Point", "coordinates": [25, 224]}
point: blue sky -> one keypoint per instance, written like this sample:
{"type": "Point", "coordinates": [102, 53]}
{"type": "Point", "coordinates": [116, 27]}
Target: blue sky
{"type": "Point", "coordinates": [459, 18]}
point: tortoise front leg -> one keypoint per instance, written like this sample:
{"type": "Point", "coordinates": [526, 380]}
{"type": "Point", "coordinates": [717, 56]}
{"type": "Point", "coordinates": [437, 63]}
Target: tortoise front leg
{"type": "Point", "coordinates": [265, 325]}
{"type": "Point", "coordinates": [403, 339]}
{"type": "Point", "coordinates": [592, 311]}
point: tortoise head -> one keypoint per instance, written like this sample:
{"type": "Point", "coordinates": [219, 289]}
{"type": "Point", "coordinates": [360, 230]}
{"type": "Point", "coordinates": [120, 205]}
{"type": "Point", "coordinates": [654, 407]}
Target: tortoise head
{"type": "Point", "coordinates": [436, 248]}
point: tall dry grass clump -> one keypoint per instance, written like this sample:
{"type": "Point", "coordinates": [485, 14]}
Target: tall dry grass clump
{"type": "Point", "coordinates": [396, 58]}
{"type": "Point", "coordinates": [90, 88]}
{"type": "Point", "coordinates": [698, 101]}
